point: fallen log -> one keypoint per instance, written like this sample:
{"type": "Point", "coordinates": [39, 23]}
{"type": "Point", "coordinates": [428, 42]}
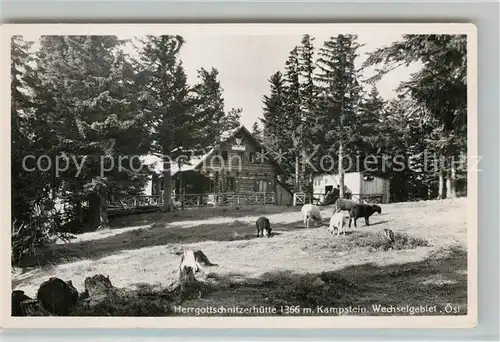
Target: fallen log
{"type": "Point", "coordinates": [33, 307]}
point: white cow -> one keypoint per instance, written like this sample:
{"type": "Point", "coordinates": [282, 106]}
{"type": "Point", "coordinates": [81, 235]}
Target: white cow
{"type": "Point", "coordinates": [338, 222]}
{"type": "Point", "coordinates": [310, 211]}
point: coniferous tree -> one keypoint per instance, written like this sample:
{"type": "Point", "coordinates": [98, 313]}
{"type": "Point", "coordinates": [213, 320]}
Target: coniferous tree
{"type": "Point", "coordinates": [256, 131]}
{"type": "Point", "coordinates": [211, 108]}
{"type": "Point", "coordinates": [441, 86]}
{"type": "Point", "coordinates": [295, 120]}
{"type": "Point", "coordinates": [339, 96]}
{"type": "Point", "coordinates": [368, 131]}
{"type": "Point", "coordinates": [274, 113]}
{"type": "Point", "coordinates": [308, 100]}
{"type": "Point", "coordinates": [23, 183]}
{"type": "Point", "coordinates": [169, 102]}
{"type": "Point", "coordinates": [86, 106]}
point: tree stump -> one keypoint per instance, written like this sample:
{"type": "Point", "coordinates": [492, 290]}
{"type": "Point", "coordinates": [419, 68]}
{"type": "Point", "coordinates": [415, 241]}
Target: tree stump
{"type": "Point", "coordinates": [57, 296]}
{"type": "Point", "coordinates": [97, 289]}
{"type": "Point", "coordinates": [97, 285]}
{"type": "Point", "coordinates": [390, 238]}
{"type": "Point", "coordinates": [18, 297]}
{"type": "Point", "coordinates": [187, 283]}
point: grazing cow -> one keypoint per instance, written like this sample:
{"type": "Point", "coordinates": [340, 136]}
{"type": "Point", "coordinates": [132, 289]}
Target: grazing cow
{"type": "Point", "coordinates": [343, 204]}
{"type": "Point", "coordinates": [337, 221]}
{"type": "Point", "coordinates": [310, 211]}
{"type": "Point", "coordinates": [263, 227]}
{"type": "Point", "coordinates": [363, 210]}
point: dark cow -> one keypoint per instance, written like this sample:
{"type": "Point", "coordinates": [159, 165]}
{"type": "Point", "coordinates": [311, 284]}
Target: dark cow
{"type": "Point", "coordinates": [263, 227]}
{"type": "Point", "coordinates": [343, 204]}
{"type": "Point", "coordinates": [363, 210]}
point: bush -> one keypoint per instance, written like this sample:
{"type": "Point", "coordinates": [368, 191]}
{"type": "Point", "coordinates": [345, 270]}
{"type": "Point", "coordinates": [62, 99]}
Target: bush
{"type": "Point", "coordinates": [379, 242]}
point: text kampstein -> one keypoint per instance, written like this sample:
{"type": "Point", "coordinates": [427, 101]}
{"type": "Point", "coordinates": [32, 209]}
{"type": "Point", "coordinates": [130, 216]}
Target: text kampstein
{"type": "Point", "coordinates": [323, 310]}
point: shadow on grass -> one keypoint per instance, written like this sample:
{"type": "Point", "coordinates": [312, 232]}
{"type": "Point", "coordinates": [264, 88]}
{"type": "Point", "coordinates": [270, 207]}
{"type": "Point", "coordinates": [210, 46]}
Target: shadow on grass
{"type": "Point", "coordinates": [435, 281]}
{"type": "Point", "coordinates": [377, 223]}
{"type": "Point", "coordinates": [198, 214]}
{"type": "Point", "coordinates": [157, 235]}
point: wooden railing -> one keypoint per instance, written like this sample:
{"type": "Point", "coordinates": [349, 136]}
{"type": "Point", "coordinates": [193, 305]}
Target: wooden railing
{"type": "Point", "coordinates": [197, 200]}
{"type": "Point", "coordinates": [137, 202]}
{"type": "Point", "coordinates": [301, 198]}
{"type": "Point", "coordinates": [221, 199]}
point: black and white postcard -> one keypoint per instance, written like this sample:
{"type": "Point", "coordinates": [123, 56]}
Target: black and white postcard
{"type": "Point", "coordinates": [240, 175]}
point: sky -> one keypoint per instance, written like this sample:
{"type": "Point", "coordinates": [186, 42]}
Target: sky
{"type": "Point", "coordinates": [246, 62]}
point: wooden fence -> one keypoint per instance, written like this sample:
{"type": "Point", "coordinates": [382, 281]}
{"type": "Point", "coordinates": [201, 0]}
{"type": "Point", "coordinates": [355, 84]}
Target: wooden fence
{"type": "Point", "coordinates": [301, 198]}
{"type": "Point", "coordinates": [197, 200]}
{"type": "Point", "coordinates": [222, 199]}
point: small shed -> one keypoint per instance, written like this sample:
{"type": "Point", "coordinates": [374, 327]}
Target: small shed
{"type": "Point", "coordinates": [361, 185]}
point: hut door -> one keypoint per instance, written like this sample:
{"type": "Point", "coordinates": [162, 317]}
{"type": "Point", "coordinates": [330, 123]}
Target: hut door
{"type": "Point", "coordinates": [260, 185]}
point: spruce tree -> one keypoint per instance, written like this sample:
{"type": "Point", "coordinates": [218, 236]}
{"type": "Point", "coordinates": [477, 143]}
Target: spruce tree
{"type": "Point", "coordinates": [274, 113]}
{"type": "Point", "coordinates": [339, 96]}
{"type": "Point", "coordinates": [86, 104]}
{"type": "Point", "coordinates": [440, 85]}
{"type": "Point", "coordinates": [211, 108]}
{"type": "Point", "coordinates": [168, 100]}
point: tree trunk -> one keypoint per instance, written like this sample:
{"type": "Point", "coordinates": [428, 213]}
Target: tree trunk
{"type": "Point", "coordinates": [441, 185]}
{"type": "Point", "coordinates": [94, 212]}
{"type": "Point", "coordinates": [78, 213]}
{"type": "Point", "coordinates": [181, 189]}
{"type": "Point", "coordinates": [451, 181]}
{"type": "Point", "coordinates": [297, 173]}
{"type": "Point", "coordinates": [167, 184]}
{"type": "Point", "coordinates": [104, 223]}
{"type": "Point", "coordinates": [98, 212]}
{"type": "Point", "coordinates": [341, 171]}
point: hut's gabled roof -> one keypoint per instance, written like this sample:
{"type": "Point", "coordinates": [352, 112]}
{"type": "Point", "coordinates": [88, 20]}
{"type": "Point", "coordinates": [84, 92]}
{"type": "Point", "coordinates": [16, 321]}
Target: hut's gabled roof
{"type": "Point", "coordinates": [155, 163]}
